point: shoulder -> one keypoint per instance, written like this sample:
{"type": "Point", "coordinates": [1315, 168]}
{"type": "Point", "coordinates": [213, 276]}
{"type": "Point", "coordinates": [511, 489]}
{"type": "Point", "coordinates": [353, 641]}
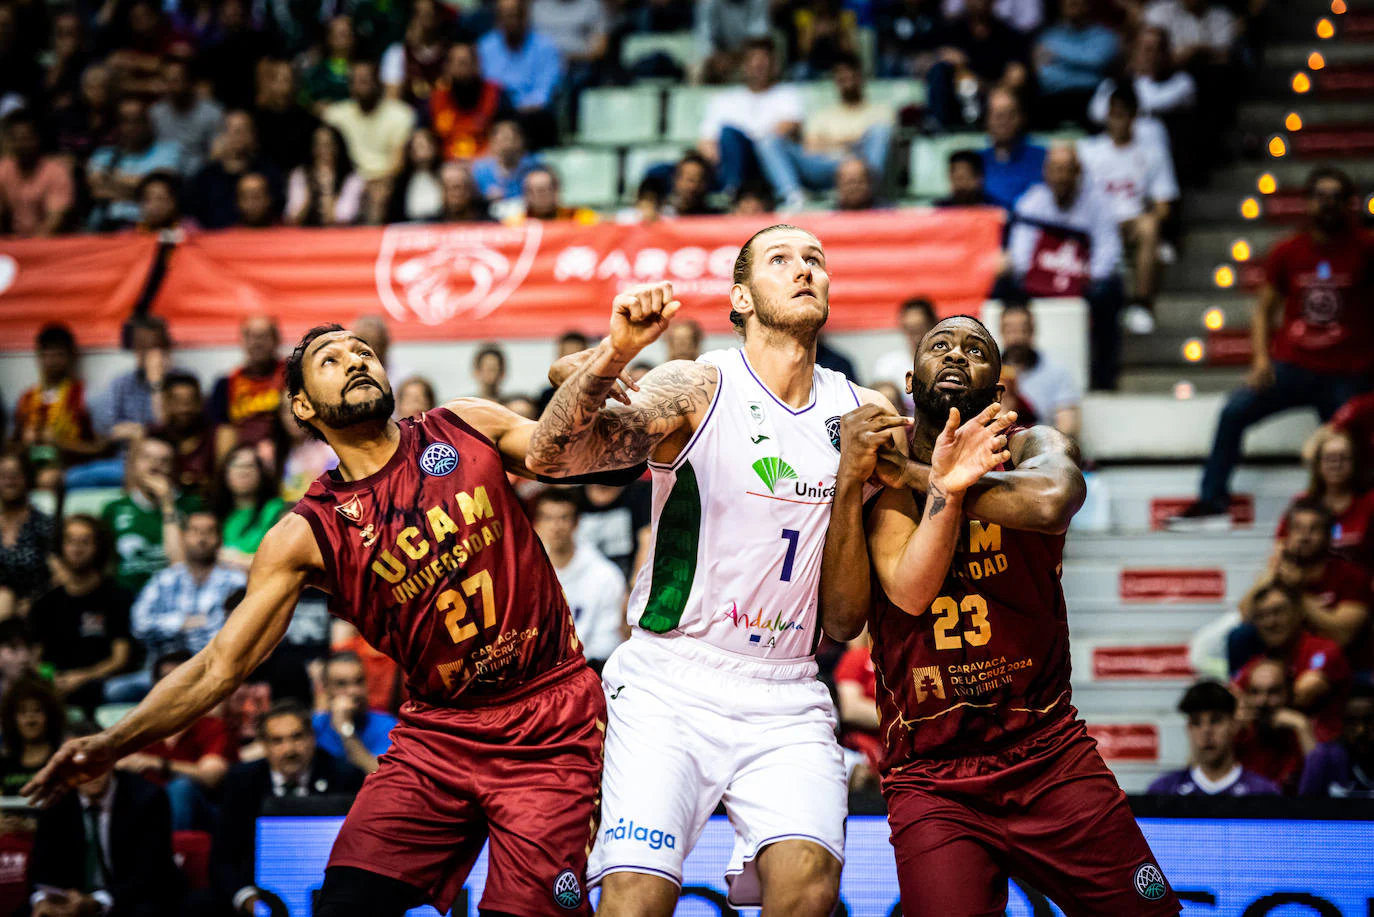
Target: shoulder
{"type": "Point", "coordinates": [289, 542]}
{"type": "Point", "coordinates": [1164, 784]}
{"type": "Point", "coordinates": [1036, 200]}
{"type": "Point", "coordinates": [868, 396]}
{"type": "Point", "coordinates": [685, 373]}
{"type": "Point", "coordinates": [1260, 785]}
{"type": "Point", "coordinates": [1040, 439]}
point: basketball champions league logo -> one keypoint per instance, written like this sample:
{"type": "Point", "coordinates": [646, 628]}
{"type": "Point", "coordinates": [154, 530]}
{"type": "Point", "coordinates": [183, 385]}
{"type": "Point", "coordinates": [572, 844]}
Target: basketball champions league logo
{"type": "Point", "coordinates": [433, 274]}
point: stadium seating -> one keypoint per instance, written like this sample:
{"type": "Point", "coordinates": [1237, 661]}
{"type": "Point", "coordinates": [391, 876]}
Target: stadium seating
{"type": "Point", "coordinates": [686, 108]}
{"type": "Point", "coordinates": [589, 177]}
{"type": "Point", "coordinates": [641, 159]}
{"type": "Point", "coordinates": [682, 47]}
{"type": "Point", "coordinates": [620, 117]}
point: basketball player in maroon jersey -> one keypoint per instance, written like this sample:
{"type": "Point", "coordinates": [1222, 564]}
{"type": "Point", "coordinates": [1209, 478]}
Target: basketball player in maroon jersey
{"type": "Point", "coordinates": [422, 545]}
{"type": "Point", "coordinates": [987, 770]}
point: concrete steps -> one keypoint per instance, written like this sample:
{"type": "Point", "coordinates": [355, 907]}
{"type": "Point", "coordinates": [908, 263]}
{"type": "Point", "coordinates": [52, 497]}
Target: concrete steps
{"type": "Point", "coordinates": [1128, 495]}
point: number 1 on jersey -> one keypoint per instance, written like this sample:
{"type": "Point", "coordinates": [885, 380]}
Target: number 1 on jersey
{"type": "Point", "coordinates": [790, 536]}
{"type": "Point", "coordinates": [455, 606]}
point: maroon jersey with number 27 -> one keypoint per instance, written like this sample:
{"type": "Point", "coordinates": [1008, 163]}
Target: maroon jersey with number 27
{"type": "Point", "coordinates": [435, 562]}
{"type": "Point", "coordinates": [988, 663]}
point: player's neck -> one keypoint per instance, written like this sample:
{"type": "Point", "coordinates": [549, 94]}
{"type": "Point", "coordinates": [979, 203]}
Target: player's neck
{"type": "Point", "coordinates": [923, 438]}
{"type": "Point", "coordinates": [783, 364]}
{"type": "Point", "coordinates": [366, 450]}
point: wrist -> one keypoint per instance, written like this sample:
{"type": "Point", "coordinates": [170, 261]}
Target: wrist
{"type": "Point", "coordinates": [610, 357]}
{"type": "Point", "coordinates": [938, 485]}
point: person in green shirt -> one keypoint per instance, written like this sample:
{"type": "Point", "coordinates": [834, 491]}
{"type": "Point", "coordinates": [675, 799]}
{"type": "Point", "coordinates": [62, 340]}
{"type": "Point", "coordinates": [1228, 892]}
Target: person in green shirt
{"type": "Point", "coordinates": [327, 80]}
{"type": "Point", "coordinates": [247, 504]}
{"type": "Point", "coordinates": [145, 521]}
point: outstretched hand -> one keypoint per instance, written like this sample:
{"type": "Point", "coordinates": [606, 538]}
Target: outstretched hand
{"type": "Point", "coordinates": [78, 761]}
{"type": "Point", "coordinates": [963, 454]}
{"type": "Point", "coordinates": [639, 316]}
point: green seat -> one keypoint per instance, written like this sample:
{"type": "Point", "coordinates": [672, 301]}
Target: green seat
{"type": "Point", "coordinates": [897, 93]}
{"type": "Point", "coordinates": [686, 109]}
{"type": "Point", "coordinates": [680, 46]}
{"type": "Point", "coordinates": [930, 162]}
{"type": "Point", "coordinates": [91, 500]}
{"type": "Point", "coordinates": [1055, 138]}
{"type": "Point", "coordinates": [106, 715]}
{"type": "Point", "coordinates": [620, 117]}
{"type": "Point", "coordinates": [818, 94]}
{"type": "Point", "coordinates": [641, 159]}
{"type": "Point", "coordinates": [588, 177]}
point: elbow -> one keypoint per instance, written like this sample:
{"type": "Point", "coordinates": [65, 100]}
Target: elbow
{"type": "Point", "coordinates": [842, 629]}
{"type": "Point", "coordinates": [1057, 508]}
{"type": "Point", "coordinates": [538, 464]}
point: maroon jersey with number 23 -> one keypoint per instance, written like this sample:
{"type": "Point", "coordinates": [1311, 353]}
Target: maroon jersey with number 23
{"type": "Point", "coordinates": [435, 562]}
{"type": "Point", "coordinates": [988, 663]}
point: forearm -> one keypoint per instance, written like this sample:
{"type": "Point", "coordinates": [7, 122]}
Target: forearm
{"type": "Point", "coordinates": [1260, 325]}
{"type": "Point", "coordinates": [1026, 499]}
{"type": "Point", "coordinates": [177, 701]}
{"type": "Point", "coordinates": [208, 771]}
{"type": "Point", "coordinates": [171, 536]}
{"type": "Point", "coordinates": [358, 755]}
{"type": "Point", "coordinates": [845, 582]}
{"type": "Point", "coordinates": [565, 440]}
{"type": "Point", "coordinates": [917, 574]}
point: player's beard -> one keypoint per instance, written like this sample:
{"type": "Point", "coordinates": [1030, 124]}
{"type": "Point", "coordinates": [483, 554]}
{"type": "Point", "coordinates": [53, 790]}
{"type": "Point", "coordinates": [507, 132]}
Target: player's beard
{"type": "Point", "coordinates": [786, 319]}
{"type": "Point", "coordinates": [933, 405]}
{"type": "Point", "coordinates": [343, 413]}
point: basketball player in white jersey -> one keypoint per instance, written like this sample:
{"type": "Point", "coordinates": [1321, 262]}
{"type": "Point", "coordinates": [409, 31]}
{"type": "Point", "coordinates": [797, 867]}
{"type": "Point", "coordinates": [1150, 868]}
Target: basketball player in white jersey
{"type": "Point", "coordinates": [714, 698]}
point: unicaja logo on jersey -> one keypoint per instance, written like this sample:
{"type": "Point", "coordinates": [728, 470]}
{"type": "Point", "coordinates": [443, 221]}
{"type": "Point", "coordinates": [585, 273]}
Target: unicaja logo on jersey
{"type": "Point", "coordinates": [438, 459]}
{"type": "Point", "coordinates": [1149, 881]}
{"type": "Point", "coordinates": [772, 470]}
{"type": "Point", "coordinates": [567, 891]}
{"type": "Point", "coordinates": [928, 683]}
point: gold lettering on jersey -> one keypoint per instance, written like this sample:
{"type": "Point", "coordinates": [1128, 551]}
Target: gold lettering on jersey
{"type": "Point", "coordinates": [979, 676]}
{"type": "Point", "coordinates": [389, 568]}
{"type": "Point", "coordinates": [474, 507]}
{"type": "Point", "coordinates": [449, 560]}
{"type": "Point", "coordinates": [406, 542]}
{"type": "Point", "coordinates": [928, 683]}
{"type": "Point", "coordinates": [502, 651]}
{"type": "Point", "coordinates": [440, 524]}
{"type": "Point", "coordinates": [985, 539]}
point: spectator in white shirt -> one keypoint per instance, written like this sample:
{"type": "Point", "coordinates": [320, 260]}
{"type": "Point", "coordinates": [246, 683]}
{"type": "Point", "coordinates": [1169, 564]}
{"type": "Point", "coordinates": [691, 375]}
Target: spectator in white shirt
{"type": "Point", "coordinates": [1065, 241]}
{"type": "Point", "coordinates": [595, 587]}
{"type": "Point", "coordinates": [738, 118]}
{"type": "Point", "coordinates": [1197, 29]}
{"type": "Point", "coordinates": [916, 316]}
{"type": "Point", "coordinates": [1137, 177]}
{"type": "Point", "coordinates": [1042, 384]}
{"type": "Point", "coordinates": [831, 135]}
{"type": "Point", "coordinates": [1025, 16]}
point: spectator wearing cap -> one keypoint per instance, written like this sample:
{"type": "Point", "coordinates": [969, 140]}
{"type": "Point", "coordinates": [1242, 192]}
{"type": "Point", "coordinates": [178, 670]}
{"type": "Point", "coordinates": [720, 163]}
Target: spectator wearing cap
{"type": "Point", "coordinates": [1312, 331]}
{"type": "Point", "coordinates": [1314, 665]}
{"type": "Point", "coordinates": [1337, 478]}
{"type": "Point", "coordinates": [183, 117]}
{"type": "Point", "coordinates": [501, 173]}
{"type": "Point", "coordinates": [831, 136]}
{"type": "Point", "coordinates": [293, 766]}
{"type": "Point", "coordinates": [113, 172]}
{"type": "Point", "coordinates": [1344, 768]}
{"type": "Point", "coordinates": [465, 105]}
{"type": "Point", "coordinates": [739, 118]}
{"type": "Point", "coordinates": [1274, 738]}
{"type": "Point", "coordinates": [1136, 175]}
{"type": "Point", "coordinates": [1011, 163]}
{"type": "Point", "coordinates": [725, 31]}
{"type": "Point", "coordinates": [105, 849]}
{"type": "Point", "coordinates": [966, 182]}
{"type": "Point", "coordinates": [214, 192]}
{"type": "Point", "coordinates": [1065, 241]}
{"type": "Point", "coordinates": [189, 765]}
{"type": "Point", "coordinates": [527, 64]}
{"type": "Point", "coordinates": [37, 192]}
{"type": "Point", "coordinates": [981, 53]}
{"type": "Point", "coordinates": [1042, 383]}
{"type": "Point", "coordinates": [1071, 58]}
{"type": "Point", "coordinates": [51, 420]}
{"type": "Point", "coordinates": [374, 128]}
{"type": "Point", "coordinates": [1213, 769]}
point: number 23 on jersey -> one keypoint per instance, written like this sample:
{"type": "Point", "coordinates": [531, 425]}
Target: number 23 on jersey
{"type": "Point", "coordinates": [969, 613]}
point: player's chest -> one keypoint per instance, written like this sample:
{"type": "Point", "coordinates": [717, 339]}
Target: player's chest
{"type": "Point", "coordinates": [767, 461]}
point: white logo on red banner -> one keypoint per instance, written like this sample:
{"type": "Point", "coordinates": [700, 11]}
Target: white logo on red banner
{"type": "Point", "coordinates": [1113, 662]}
{"type": "Point", "coordinates": [1126, 741]}
{"type": "Point", "coordinates": [433, 274]}
{"type": "Point", "coordinates": [1164, 508]}
{"type": "Point", "coordinates": [1173, 585]}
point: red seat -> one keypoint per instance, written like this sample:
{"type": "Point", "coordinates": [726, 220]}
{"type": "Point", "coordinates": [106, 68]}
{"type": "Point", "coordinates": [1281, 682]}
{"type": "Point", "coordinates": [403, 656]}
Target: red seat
{"type": "Point", "coordinates": [191, 849]}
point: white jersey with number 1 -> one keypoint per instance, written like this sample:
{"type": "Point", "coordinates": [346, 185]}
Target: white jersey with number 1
{"type": "Point", "coordinates": [739, 519]}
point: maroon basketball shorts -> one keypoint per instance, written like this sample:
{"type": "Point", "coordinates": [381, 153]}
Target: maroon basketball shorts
{"type": "Point", "coordinates": [1047, 811]}
{"type": "Point", "coordinates": [523, 771]}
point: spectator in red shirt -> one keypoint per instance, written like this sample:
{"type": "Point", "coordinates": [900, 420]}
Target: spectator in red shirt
{"type": "Point", "coordinates": [1335, 592]}
{"type": "Point", "coordinates": [190, 764]}
{"type": "Point", "coordinates": [36, 191]}
{"type": "Point", "coordinates": [1315, 665]}
{"type": "Point", "coordinates": [464, 105]}
{"type": "Point", "coordinates": [1356, 417]}
{"type": "Point", "coordinates": [52, 420]}
{"type": "Point", "coordinates": [857, 687]}
{"type": "Point", "coordinates": [1313, 334]}
{"type": "Point", "coordinates": [1337, 483]}
{"type": "Point", "coordinates": [1274, 739]}
{"type": "Point", "coordinates": [244, 403]}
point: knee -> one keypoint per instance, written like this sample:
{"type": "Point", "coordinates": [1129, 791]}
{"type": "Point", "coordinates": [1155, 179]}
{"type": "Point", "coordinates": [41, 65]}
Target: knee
{"type": "Point", "coordinates": [811, 895]}
{"type": "Point", "coordinates": [633, 894]}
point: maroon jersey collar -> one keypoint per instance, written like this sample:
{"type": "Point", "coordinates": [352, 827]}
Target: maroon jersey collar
{"type": "Point", "coordinates": [337, 485]}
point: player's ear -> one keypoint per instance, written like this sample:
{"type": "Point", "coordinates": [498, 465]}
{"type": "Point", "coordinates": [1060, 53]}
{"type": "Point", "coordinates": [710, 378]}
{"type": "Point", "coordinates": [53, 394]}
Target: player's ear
{"type": "Point", "coordinates": [301, 407]}
{"type": "Point", "coordinates": [908, 383]}
{"type": "Point", "coordinates": [1000, 389]}
{"type": "Point", "coordinates": [741, 300]}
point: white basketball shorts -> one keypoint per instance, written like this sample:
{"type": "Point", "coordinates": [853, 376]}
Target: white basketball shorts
{"type": "Point", "coordinates": [690, 727]}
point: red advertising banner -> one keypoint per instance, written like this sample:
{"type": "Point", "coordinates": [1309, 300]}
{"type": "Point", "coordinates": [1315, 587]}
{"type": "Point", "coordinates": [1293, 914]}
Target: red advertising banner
{"type": "Point", "coordinates": [1114, 662]}
{"type": "Point", "coordinates": [1162, 509]}
{"type": "Point", "coordinates": [1183, 585]}
{"type": "Point", "coordinates": [89, 282]}
{"type": "Point", "coordinates": [477, 281]}
{"type": "Point", "coordinates": [1126, 741]}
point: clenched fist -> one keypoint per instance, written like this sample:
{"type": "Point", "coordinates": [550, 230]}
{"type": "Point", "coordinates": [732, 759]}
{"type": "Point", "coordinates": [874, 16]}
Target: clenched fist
{"type": "Point", "coordinates": [639, 316]}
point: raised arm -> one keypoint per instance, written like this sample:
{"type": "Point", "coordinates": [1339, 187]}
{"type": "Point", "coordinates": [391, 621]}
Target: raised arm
{"type": "Point", "coordinates": [285, 561]}
{"type": "Point", "coordinates": [580, 434]}
{"type": "Point", "coordinates": [1040, 493]}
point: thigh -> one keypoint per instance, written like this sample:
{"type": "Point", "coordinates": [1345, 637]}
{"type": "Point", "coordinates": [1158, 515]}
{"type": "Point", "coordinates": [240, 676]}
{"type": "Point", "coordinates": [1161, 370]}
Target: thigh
{"type": "Point", "coordinates": [406, 825]}
{"type": "Point", "coordinates": [542, 808]}
{"type": "Point", "coordinates": [1076, 840]}
{"type": "Point", "coordinates": [352, 892]}
{"type": "Point", "coordinates": [948, 863]}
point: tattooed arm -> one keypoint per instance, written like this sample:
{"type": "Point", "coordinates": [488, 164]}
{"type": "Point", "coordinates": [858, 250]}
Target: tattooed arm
{"type": "Point", "coordinates": [1040, 493]}
{"type": "Point", "coordinates": [911, 560]}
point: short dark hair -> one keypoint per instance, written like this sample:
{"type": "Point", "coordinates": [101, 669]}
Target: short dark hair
{"type": "Point", "coordinates": [286, 707]}
{"type": "Point", "coordinates": [342, 656]}
{"type": "Point", "coordinates": [104, 543]}
{"type": "Point", "coordinates": [569, 337]}
{"type": "Point", "coordinates": [1307, 505]}
{"type": "Point", "coordinates": [744, 262]}
{"type": "Point", "coordinates": [693, 157]}
{"type": "Point", "coordinates": [996, 352]}
{"type": "Point", "coordinates": [1017, 305]}
{"type": "Point", "coordinates": [168, 180]}
{"type": "Point", "coordinates": [759, 43]}
{"type": "Point", "coordinates": [1323, 173]}
{"type": "Point", "coordinates": [1124, 94]}
{"type": "Point", "coordinates": [23, 116]}
{"type": "Point", "coordinates": [56, 335]}
{"type": "Point", "coordinates": [489, 350]}
{"type": "Point", "coordinates": [295, 370]}
{"type": "Point", "coordinates": [30, 687]}
{"type": "Point", "coordinates": [1359, 691]}
{"type": "Point", "coordinates": [424, 384]}
{"type": "Point", "coordinates": [364, 60]}
{"type": "Point", "coordinates": [177, 378]}
{"type": "Point", "coordinates": [1274, 587]}
{"type": "Point", "coordinates": [919, 304]}
{"type": "Point", "coordinates": [1208, 697]}
{"type": "Point", "coordinates": [16, 630]}
{"type": "Point", "coordinates": [847, 59]}
{"type": "Point", "coordinates": [144, 323]}
{"type": "Point", "coordinates": [970, 158]}
{"type": "Point", "coordinates": [555, 495]}
{"type": "Point", "coordinates": [27, 469]}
